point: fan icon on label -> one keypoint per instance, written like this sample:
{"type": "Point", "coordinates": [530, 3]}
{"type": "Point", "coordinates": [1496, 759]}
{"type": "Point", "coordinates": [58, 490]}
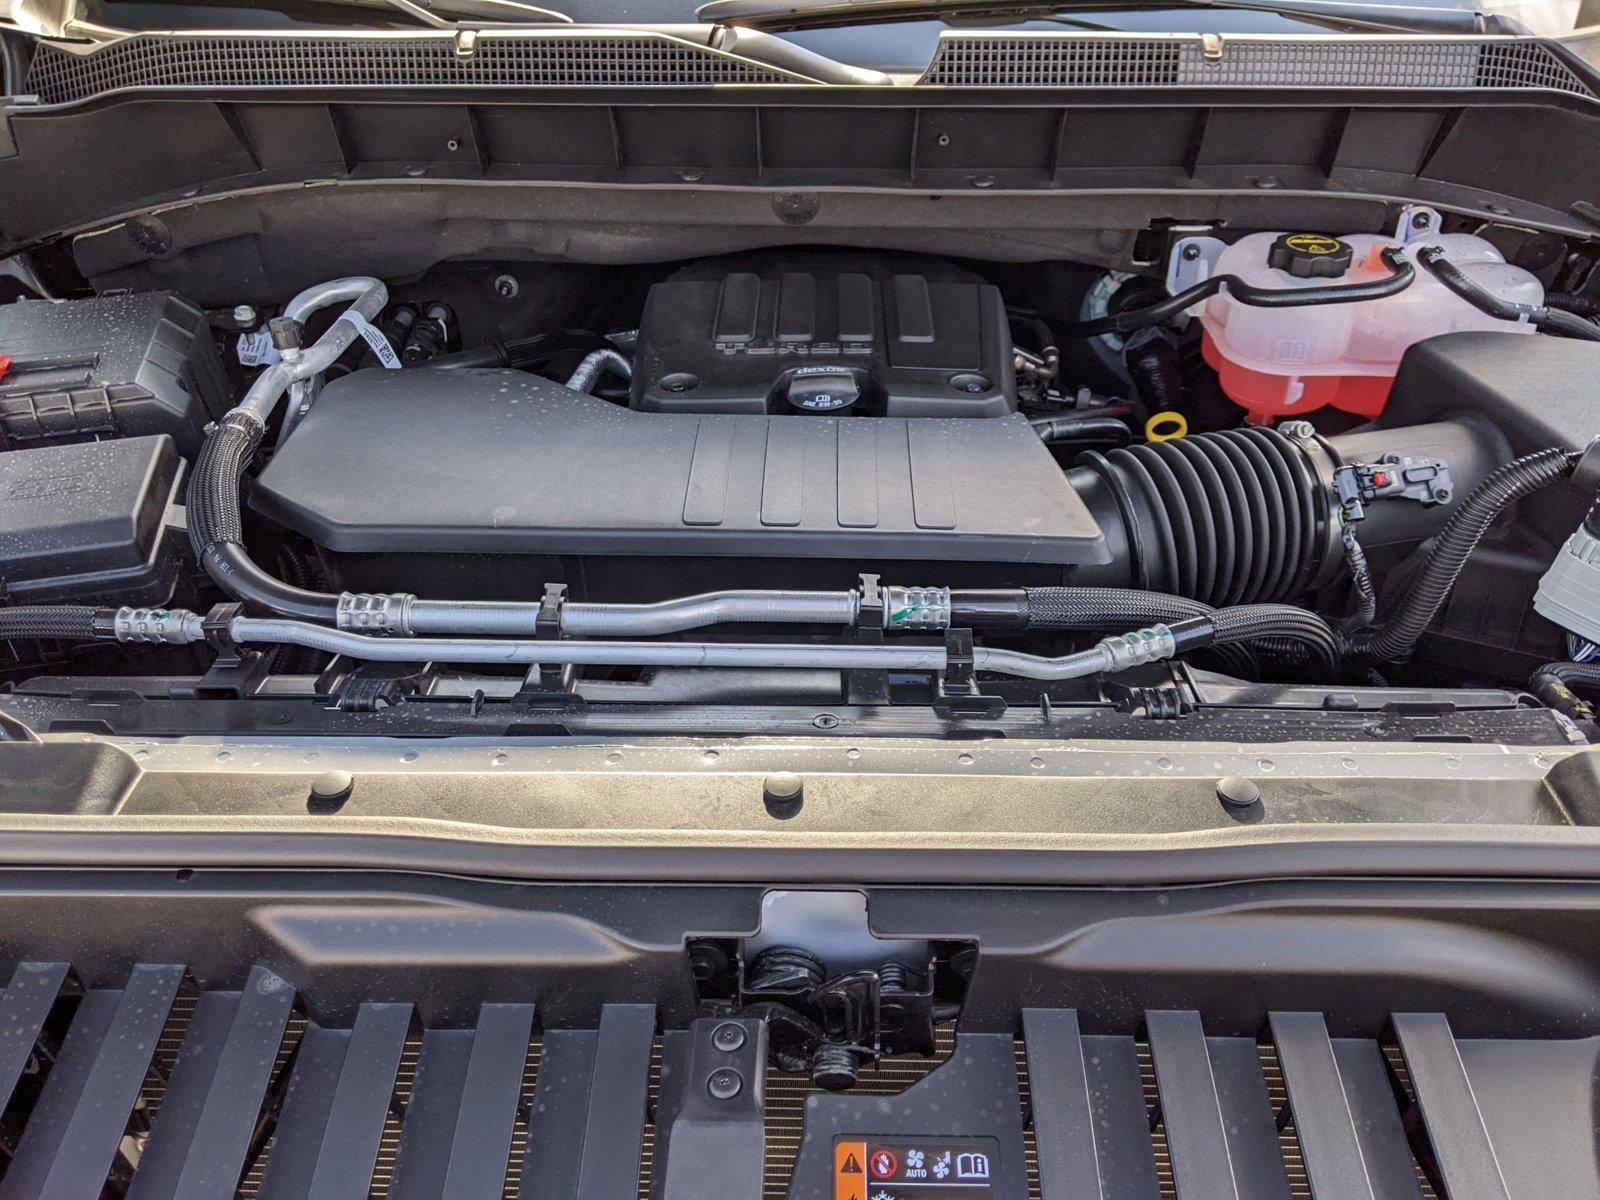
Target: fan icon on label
{"type": "Point", "coordinates": [941, 1165]}
{"type": "Point", "coordinates": [914, 1160]}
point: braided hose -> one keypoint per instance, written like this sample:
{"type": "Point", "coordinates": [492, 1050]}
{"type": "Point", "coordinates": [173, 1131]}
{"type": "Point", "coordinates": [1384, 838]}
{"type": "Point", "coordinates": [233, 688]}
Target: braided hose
{"type": "Point", "coordinates": [213, 502]}
{"type": "Point", "coordinates": [72, 623]}
{"type": "Point", "coordinates": [1086, 608]}
{"type": "Point", "coordinates": [1279, 629]}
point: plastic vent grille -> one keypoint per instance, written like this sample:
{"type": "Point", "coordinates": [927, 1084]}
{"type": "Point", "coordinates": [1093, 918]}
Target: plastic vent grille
{"type": "Point", "coordinates": [1516, 64]}
{"type": "Point", "coordinates": [1089, 60]}
{"type": "Point", "coordinates": [210, 61]}
{"type": "Point", "coordinates": [1054, 62]}
{"type": "Point", "coordinates": [146, 1085]}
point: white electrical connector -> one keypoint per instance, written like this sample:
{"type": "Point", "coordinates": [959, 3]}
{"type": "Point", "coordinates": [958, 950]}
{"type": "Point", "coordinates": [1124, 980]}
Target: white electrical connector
{"type": "Point", "coordinates": [1569, 593]}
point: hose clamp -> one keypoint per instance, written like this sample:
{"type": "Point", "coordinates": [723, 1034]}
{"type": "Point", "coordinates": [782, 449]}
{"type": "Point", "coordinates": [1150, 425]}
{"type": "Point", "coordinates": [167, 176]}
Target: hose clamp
{"type": "Point", "coordinates": [162, 626]}
{"type": "Point", "coordinates": [380, 614]}
{"type": "Point", "coordinates": [1139, 647]}
{"type": "Point", "coordinates": [916, 608]}
{"type": "Point", "coordinates": [1324, 463]}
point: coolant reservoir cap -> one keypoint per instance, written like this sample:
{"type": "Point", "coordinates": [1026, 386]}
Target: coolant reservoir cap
{"type": "Point", "coordinates": [1311, 255]}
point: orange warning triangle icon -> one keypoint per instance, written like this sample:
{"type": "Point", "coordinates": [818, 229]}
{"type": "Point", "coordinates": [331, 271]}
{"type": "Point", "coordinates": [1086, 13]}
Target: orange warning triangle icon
{"type": "Point", "coordinates": [852, 1166]}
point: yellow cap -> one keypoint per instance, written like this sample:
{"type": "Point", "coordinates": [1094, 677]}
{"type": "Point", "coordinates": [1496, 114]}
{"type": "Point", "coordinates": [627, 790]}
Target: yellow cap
{"type": "Point", "coordinates": [1166, 427]}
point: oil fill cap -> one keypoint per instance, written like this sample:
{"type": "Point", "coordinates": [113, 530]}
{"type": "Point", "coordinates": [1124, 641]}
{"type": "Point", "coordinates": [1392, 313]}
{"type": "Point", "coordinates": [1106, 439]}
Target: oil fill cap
{"type": "Point", "coordinates": [823, 389]}
{"type": "Point", "coordinates": [1310, 255]}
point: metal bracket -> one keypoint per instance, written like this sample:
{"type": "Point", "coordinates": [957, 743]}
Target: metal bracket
{"type": "Point", "coordinates": [832, 1024]}
{"type": "Point", "coordinates": [1417, 221]}
{"type": "Point", "coordinates": [1193, 260]}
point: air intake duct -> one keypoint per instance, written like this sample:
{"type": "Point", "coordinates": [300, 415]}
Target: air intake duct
{"type": "Point", "coordinates": [1251, 516]}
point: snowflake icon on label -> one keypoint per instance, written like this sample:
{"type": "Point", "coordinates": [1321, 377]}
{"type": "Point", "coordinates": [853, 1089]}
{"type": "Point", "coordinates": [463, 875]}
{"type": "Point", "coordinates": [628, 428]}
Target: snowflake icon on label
{"type": "Point", "coordinates": [914, 1159]}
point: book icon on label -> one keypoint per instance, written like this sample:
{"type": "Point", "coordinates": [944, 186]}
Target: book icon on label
{"type": "Point", "coordinates": [972, 1166]}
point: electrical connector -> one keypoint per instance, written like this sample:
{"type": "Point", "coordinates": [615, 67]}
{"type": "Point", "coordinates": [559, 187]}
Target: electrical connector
{"type": "Point", "coordinates": [1569, 593]}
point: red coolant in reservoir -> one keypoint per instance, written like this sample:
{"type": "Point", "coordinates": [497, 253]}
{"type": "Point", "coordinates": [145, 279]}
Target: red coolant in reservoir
{"type": "Point", "coordinates": [1286, 362]}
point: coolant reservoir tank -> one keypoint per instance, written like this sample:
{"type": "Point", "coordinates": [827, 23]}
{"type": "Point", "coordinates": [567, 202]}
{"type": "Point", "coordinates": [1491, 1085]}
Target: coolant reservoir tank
{"type": "Point", "coordinates": [1285, 362]}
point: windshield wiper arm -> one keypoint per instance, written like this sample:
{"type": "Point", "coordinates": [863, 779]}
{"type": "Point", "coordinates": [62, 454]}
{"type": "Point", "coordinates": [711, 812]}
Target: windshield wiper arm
{"type": "Point", "coordinates": [434, 12]}
{"type": "Point", "coordinates": [1343, 14]}
{"type": "Point", "coordinates": [748, 42]}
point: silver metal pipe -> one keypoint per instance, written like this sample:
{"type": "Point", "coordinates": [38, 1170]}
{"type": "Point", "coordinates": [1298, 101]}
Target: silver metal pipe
{"type": "Point", "coordinates": [399, 614]}
{"type": "Point", "coordinates": [303, 392]}
{"type": "Point", "coordinates": [1106, 657]}
{"type": "Point", "coordinates": [584, 619]}
{"type": "Point", "coordinates": [595, 364]}
{"type": "Point", "coordinates": [320, 295]}
{"type": "Point", "coordinates": [1112, 654]}
{"type": "Point", "coordinates": [1031, 666]}
{"type": "Point", "coordinates": [272, 383]}
{"type": "Point", "coordinates": [529, 651]}
{"type": "Point", "coordinates": [481, 618]}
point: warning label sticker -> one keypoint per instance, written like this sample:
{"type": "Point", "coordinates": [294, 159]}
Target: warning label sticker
{"type": "Point", "coordinates": [868, 1168]}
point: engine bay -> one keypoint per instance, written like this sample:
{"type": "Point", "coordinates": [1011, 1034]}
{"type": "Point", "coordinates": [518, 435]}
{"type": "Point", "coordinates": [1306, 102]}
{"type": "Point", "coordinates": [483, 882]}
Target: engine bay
{"type": "Point", "coordinates": [1277, 460]}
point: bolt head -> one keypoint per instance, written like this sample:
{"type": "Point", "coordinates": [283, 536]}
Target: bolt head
{"type": "Point", "coordinates": [1236, 791]}
{"type": "Point", "coordinates": [332, 786]}
{"type": "Point", "coordinates": [783, 794]}
{"type": "Point", "coordinates": [724, 1083]}
{"type": "Point", "coordinates": [1299, 430]}
{"type": "Point", "coordinates": [244, 314]}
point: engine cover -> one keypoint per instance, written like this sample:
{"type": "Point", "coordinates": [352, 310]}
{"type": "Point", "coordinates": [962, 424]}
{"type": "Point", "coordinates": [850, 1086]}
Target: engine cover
{"type": "Point", "coordinates": [826, 337]}
{"type": "Point", "coordinates": [503, 462]}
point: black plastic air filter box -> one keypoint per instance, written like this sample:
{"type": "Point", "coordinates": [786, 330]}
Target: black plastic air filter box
{"type": "Point", "coordinates": [1537, 391]}
{"type": "Point", "coordinates": [110, 366]}
{"type": "Point", "coordinates": [84, 523]}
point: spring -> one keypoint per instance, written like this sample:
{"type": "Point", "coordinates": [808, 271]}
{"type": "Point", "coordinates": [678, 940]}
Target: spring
{"type": "Point", "coordinates": [833, 1066]}
{"type": "Point", "coordinates": [785, 969]}
{"type": "Point", "coordinates": [893, 978]}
